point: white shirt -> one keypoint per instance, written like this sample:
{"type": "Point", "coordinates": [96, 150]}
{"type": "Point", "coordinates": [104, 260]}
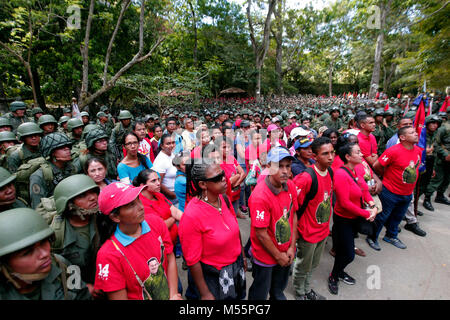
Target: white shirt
{"type": "Point", "coordinates": [163, 164]}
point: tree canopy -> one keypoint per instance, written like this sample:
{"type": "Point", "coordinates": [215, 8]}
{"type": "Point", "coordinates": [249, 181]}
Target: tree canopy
{"type": "Point", "coordinates": [128, 52]}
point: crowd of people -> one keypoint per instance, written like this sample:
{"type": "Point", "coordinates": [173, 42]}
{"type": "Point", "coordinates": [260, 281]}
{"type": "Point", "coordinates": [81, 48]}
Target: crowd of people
{"type": "Point", "coordinates": [122, 198]}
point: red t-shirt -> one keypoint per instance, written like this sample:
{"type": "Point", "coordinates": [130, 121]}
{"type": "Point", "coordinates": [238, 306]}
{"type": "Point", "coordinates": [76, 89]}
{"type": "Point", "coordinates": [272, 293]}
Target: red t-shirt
{"type": "Point", "coordinates": [208, 236]}
{"type": "Point", "coordinates": [348, 195]}
{"type": "Point", "coordinates": [314, 223]}
{"type": "Point", "coordinates": [367, 144]}
{"type": "Point", "coordinates": [401, 168]}
{"type": "Point", "coordinates": [113, 273]}
{"type": "Point", "coordinates": [251, 154]}
{"type": "Point", "coordinates": [230, 168]}
{"type": "Point", "coordinates": [161, 208]}
{"type": "Point", "coordinates": [274, 211]}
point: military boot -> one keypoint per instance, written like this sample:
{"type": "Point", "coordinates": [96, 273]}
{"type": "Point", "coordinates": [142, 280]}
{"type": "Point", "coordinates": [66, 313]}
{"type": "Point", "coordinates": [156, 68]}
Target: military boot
{"type": "Point", "coordinates": [441, 198]}
{"type": "Point", "coordinates": [427, 204]}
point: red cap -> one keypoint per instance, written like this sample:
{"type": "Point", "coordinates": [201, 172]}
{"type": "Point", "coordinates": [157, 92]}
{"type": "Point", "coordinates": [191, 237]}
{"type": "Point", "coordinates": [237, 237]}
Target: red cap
{"type": "Point", "coordinates": [117, 194]}
{"type": "Point", "coordinates": [238, 123]}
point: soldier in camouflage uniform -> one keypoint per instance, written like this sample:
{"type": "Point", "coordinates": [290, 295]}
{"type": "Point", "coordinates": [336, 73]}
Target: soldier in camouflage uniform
{"type": "Point", "coordinates": [334, 122]}
{"type": "Point", "coordinates": [119, 132]}
{"type": "Point", "coordinates": [8, 143]}
{"type": "Point", "coordinates": [47, 123]}
{"type": "Point", "coordinates": [441, 180]}
{"type": "Point", "coordinates": [17, 115]}
{"type": "Point", "coordinates": [97, 146]}
{"type": "Point", "coordinates": [62, 124]}
{"type": "Point", "coordinates": [8, 196]}
{"type": "Point", "coordinates": [36, 113]}
{"type": "Point", "coordinates": [57, 147]}
{"type": "Point", "coordinates": [24, 242]}
{"type": "Point", "coordinates": [75, 127]}
{"type": "Point", "coordinates": [382, 132]}
{"type": "Point", "coordinates": [5, 124]}
{"type": "Point", "coordinates": [30, 134]}
{"type": "Point", "coordinates": [104, 123]}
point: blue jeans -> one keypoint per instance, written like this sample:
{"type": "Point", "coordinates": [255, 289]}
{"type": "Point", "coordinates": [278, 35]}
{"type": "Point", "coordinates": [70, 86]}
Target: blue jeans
{"type": "Point", "coordinates": [394, 209]}
{"type": "Point", "coordinates": [245, 190]}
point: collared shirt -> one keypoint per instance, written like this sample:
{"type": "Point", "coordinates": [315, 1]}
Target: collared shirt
{"type": "Point", "coordinates": [126, 240]}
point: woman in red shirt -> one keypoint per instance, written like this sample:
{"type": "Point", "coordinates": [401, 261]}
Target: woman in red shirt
{"type": "Point", "coordinates": [210, 237]}
{"type": "Point", "coordinates": [234, 174]}
{"type": "Point", "coordinates": [351, 194]}
{"type": "Point", "coordinates": [156, 203]}
{"type": "Point", "coordinates": [136, 262]}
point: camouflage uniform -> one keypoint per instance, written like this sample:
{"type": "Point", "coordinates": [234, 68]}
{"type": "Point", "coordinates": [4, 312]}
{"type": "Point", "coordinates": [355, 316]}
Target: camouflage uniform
{"type": "Point", "coordinates": [21, 156]}
{"type": "Point", "coordinates": [115, 142]}
{"type": "Point", "coordinates": [41, 187]}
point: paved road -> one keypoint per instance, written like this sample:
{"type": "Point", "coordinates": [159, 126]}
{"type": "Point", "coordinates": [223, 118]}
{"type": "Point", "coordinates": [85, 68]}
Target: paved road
{"type": "Point", "coordinates": [422, 271]}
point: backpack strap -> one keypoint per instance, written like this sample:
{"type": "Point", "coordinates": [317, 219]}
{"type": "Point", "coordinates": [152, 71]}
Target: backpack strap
{"type": "Point", "coordinates": [47, 172]}
{"type": "Point", "coordinates": [311, 194]}
{"type": "Point", "coordinates": [63, 268]}
{"type": "Point", "coordinates": [58, 225]}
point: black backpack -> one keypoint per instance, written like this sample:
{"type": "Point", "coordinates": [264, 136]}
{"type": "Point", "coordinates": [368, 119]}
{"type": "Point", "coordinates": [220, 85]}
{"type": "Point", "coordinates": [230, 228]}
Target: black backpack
{"type": "Point", "coordinates": [313, 190]}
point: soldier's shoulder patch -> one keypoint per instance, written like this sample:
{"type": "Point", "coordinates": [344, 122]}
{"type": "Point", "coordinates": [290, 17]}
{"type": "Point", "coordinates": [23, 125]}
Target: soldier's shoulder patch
{"type": "Point", "coordinates": [36, 188]}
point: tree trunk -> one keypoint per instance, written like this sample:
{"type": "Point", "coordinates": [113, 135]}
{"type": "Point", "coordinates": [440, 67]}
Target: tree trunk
{"type": "Point", "coordinates": [194, 24]}
{"type": "Point", "coordinates": [260, 50]}
{"type": "Point", "coordinates": [37, 87]}
{"type": "Point", "coordinates": [330, 78]}
{"type": "Point", "coordinates": [279, 50]}
{"type": "Point", "coordinates": [85, 55]}
{"type": "Point", "coordinates": [374, 82]}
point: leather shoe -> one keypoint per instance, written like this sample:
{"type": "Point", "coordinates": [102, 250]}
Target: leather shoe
{"type": "Point", "coordinates": [440, 198]}
{"type": "Point", "coordinates": [333, 285]}
{"type": "Point", "coordinates": [360, 252]}
{"type": "Point", "coordinates": [419, 213]}
{"type": "Point", "coordinates": [427, 204]}
{"type": "Point", "coordinates": [414, 228]}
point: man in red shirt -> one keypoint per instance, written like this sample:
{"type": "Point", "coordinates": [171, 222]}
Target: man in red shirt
{"type": "Point", "coordinates": [399, 166]}
{"type": "Point", "coordinates": [313, 224]}
{"type": "Point", "coordinates": [366, 140]}
{"type": "Point", "coordinates": [273, 206]}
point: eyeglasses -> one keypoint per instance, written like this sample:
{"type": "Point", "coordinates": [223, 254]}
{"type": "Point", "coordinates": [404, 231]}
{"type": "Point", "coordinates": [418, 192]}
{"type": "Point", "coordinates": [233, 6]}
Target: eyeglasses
{"type": "Point", "coordinates": [135, 143]}
{"type": "Point", "coordinates": [217, 178]}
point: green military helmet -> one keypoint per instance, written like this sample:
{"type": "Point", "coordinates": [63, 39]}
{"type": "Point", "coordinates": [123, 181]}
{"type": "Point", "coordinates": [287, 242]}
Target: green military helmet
{"type": "Point", "coordinates": [67, 110]}
{"type": "Point", "coordinates": [21, 228]}
{"type": "Point", "coordinates": [17, 105]}
{"type": "Point", "coordinates": [410, 114]}
{"type": "Point", "coordinates": [101, 114]}
{"type": "Point", "coordinates": [245, 111]}
{"type": "Point", "coordinates": [74, 123]}
{"type": "Point", "coordinates": [388, 112]}
{"type": "Point", "coordinates": [433, 118]}
{"type": "Point", "coordinates": [53, 141]}
{"type": "Point", "coordinates": [441, 114]}
{"type": "Point", "coordinates": [70, 188]}
{"type": "Point", "coordinates": [4, 122]}
{"type": "Point", "coordinates": [89, 127]}
{"type": "Point", "coordinates": [284, 114]}
{"type": "Point", "coordinates": [6, 177]}
{"type": "Point", "coordinates": [47, 118]}
{"type": "Point", "coordinates": [84, 114]}
{"type": "Point", "coordinates": [36, 110]}
{"type": "Point", "coordinates": [28, 129]}
{"type": "Point", "coordinates": [7, 136]}
{"type": "Point", "coordinates": [63, 119]}
{"type": "Point", "coordinates": [379, 112]}
{"type": "Point", "coordinates": [95, 135]}
{"type": "Point", "coordinates": [293, 115]}
{"type": "Point", "coordinates": [124, 115]}
{"type": "Point", "coordinates": [104, 108]}
{"type": "Point", "coordinates": [306, 116]}
{"type": "Point", "coordinates": [335, 108]}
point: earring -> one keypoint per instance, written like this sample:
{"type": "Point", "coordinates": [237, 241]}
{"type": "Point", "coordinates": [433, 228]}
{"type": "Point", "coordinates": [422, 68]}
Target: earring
{"type": "Point", "coordinates": [206, 197]}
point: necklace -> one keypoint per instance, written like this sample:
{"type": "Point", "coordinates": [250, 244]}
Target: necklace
{"type": "Point", "coordinates": [219, 208]}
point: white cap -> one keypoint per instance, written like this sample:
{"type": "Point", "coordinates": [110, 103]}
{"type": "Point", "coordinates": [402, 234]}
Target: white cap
{"type": "Point", "coordinates": [299, 131]}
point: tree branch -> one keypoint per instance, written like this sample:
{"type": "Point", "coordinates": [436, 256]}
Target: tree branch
{"type": "Point", "coordinates": [85, 53]}
{"type": "Point", "coordinates": [113, 37]}
{"type": "Point", "coordinates": [426, 17]}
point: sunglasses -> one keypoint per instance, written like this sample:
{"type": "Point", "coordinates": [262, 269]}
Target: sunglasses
{"type": "Point", "coordinates": [217, 178]}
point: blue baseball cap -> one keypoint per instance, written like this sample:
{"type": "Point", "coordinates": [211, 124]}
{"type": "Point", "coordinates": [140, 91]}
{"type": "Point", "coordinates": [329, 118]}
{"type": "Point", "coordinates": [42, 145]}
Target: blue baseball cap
{"type": "Point", "coordinates": [302, 143]}
{"type": "Point", "coordinates": [277, 154]}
